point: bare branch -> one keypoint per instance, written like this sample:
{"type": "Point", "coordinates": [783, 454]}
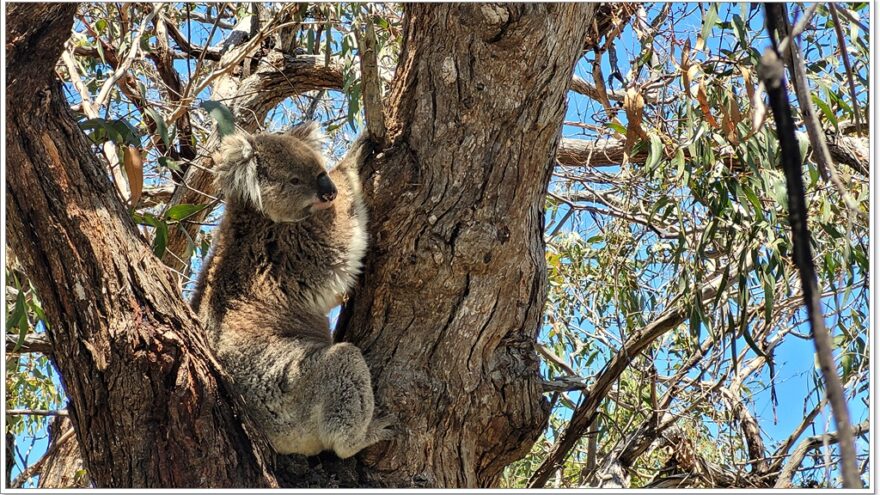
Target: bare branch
{"type": "Point", "coordinates": [372, 85]}
{"type": "Point", "coordinates": [772, 74]}
{"type": "Point", "coordinates": [809, 443]}
{"type": "Point", "coordinates": [33, 342]}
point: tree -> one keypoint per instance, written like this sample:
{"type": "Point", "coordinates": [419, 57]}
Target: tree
{"type": "Point", "coordinates": [638, 275]}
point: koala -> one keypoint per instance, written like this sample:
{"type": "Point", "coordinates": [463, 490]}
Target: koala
{"type": "Point", "coordinates": [288, 247]}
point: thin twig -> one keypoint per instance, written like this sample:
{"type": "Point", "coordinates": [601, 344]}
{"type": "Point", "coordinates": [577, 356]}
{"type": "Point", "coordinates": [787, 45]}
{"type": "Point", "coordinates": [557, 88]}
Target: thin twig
{"type": "Point", "coordinates": [120, 71]}
{"type": "Point", "coordinates": [841, 42]}
{"type": "Point", "coordinates": [854, 20]}
{"type": "Point", "coordinates": [785, 44]}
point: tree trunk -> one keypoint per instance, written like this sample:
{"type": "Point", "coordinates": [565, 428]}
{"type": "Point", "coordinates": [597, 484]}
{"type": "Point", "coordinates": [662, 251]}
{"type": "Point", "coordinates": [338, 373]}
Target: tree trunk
{"type": "Point", "coordinates": [454, 286]}
{"type": "Point", "coordinates": [146, 397]}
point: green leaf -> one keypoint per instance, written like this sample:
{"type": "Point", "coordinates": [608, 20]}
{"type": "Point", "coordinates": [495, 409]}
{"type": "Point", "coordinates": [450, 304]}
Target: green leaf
{"type": "Point", "coordinates": [656, 153]}
{"type": "Point", "coordinates": [100, 47]}
{"type": "Point", "coordinates": [709, 21]}
{"type": "Point", "coordinates": [168, 162]}
{"type": "Point", "coordinates": [740, 28]}
{"type": "Point", "coordinates": [769, 289]}
{"type": "Point", "coordinates": [160, 240]}
{"type": "Point", "coordinates": [161, 126]}
{"type": "Point", "coordinates": [18, 312]}
{"type": "Point", "coordinates": [617, 127]}
{"type": "Point", "coordinates": [753, 198]}
{"type": "Point", "coordinates": [183, 211]}
{"type": "Point", "coordinates": [826, 110]}
{"type": "Point", "coordinates": [679, 163]}
{"type": "Point", "coordinates": [221, 115]}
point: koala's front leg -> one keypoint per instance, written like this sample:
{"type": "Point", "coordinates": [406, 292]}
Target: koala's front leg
{"type": "Point", "coordinates": [347, 424]}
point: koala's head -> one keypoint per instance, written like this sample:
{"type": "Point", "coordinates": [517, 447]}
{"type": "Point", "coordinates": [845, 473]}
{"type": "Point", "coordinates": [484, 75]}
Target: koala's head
{"type": "Point", "coordinates": [281, 175]}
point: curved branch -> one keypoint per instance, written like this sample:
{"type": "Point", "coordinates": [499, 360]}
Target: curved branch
{"type": "Point", "coordinates": [809, 443]}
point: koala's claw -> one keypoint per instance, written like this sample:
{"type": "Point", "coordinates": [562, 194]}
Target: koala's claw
{"type": "Point", "coordinates": [382, 429]}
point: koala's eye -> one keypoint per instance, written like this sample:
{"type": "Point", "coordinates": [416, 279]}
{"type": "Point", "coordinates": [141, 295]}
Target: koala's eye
{"type": "Point", "coordinates": [295, 181]}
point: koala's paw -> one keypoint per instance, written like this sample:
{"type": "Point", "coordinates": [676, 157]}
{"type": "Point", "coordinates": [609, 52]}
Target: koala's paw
{"type": "Point", "coordinates": [382, 429]}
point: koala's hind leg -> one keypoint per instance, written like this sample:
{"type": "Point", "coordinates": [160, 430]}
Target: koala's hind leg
{"type": "Point", "coordinates": [348, 424]}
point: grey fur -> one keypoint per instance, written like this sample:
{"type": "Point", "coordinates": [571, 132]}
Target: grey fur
{"type": "Point", "coordinates": [278, 265]}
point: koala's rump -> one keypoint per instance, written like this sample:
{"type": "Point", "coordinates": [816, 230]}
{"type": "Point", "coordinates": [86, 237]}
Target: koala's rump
{"type": "Point", "coordinates": [275, 375]}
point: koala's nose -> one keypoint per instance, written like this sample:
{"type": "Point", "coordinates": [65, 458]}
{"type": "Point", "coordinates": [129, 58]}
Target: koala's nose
{"type": "Point", "coordinates": [326, 188]}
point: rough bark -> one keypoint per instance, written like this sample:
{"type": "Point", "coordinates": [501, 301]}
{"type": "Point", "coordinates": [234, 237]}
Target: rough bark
{"type": "Point", "coordinates": [147, 399]}
{"type": "Point", "coordinates": [62, 464]}
{"type": "Point", "coordinates": [454, 286]}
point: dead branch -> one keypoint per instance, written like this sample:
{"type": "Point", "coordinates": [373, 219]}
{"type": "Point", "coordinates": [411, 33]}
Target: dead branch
{"type": "Point", "coordinates": [772, 71]}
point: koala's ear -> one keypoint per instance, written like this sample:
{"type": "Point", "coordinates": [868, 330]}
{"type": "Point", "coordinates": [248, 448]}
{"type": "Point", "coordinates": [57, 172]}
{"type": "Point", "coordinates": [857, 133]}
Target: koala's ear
{"type": "Point", "coordinates": [310, 133]}
{"type": "Point", "coordinates": [236, 168]}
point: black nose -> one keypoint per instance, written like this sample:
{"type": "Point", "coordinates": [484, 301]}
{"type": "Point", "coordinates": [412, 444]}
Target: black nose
{"type": "Point", "coordinates": [326, 188]}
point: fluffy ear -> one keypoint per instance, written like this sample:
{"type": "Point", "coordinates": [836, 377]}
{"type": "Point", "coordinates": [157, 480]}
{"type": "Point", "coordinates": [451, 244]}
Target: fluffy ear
{"type": "Point", "coordinates": [310, 133]}
{"type": "Point", "coordinates": [236, 169]}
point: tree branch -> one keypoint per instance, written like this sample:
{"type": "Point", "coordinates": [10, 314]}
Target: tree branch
{"type": "Point", "coordinates": [638, 341]}
{"type": "Point", "coordinates": [370, 82]}
{"type": "Point", "coordinates": [33, 342]}
{"type": "Point", "coordinates": [36, 412]}
{"type": "Point", "coordinates": [772, 71]}
{"type": "Point", "coordinates": [809, 443]}
{"type": "Point", "coordinates": [608, 152]}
